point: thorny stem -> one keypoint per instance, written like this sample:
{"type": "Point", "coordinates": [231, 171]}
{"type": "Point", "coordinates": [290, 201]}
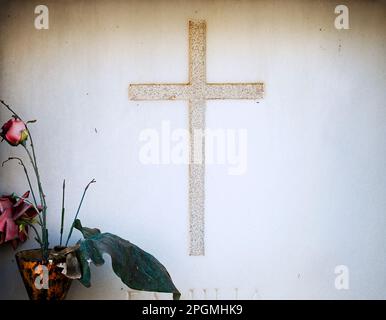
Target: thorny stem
{"type": "Point", "coordinates": [26, 173]}
{"type": "Point", "coordinates": [42, 196]}
{"type": "Point", "coordinates": [36, 173]}
{"type": "Point", "coordinates": [42, 201]}
{"type": "Point", "coordinates": [77, 212]}
{"type": "Point", "coordinates": [10, 109]}
{"type": "Point", "coordinates": [37, 169]}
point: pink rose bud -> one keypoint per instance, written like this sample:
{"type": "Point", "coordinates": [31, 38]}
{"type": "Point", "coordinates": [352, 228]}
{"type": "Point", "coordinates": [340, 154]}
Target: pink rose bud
{"type": "Point", "coordinates": [14, 132]}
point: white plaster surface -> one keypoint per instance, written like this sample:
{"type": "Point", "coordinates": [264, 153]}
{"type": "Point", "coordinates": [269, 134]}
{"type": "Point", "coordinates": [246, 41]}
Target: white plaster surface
{"type": "Point", "coordinates": [314, 193]}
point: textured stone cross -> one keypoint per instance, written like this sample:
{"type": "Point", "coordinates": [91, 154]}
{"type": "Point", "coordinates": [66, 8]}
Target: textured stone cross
{"type": "Point", "coordinates": [196, 91]}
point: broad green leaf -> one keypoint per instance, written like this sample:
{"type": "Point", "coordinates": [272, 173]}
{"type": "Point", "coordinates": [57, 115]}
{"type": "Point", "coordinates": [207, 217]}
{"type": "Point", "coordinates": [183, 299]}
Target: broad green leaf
{"type": "Point", "coordinates": [137, 269]}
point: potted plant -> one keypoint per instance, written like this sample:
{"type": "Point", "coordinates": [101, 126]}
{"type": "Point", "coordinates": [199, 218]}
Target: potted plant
{"type": "Point", "coordinates": [47, 272]}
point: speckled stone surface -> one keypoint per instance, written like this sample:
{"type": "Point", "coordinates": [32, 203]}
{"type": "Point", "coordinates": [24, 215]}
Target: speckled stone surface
{"type": "Point", "coordinates": [197, 91]}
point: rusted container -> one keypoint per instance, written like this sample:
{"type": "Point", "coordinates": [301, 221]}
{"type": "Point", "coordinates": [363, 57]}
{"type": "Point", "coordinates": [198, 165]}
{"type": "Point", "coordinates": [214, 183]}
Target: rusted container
{"type": "Point", "coordinates": [43, 280]}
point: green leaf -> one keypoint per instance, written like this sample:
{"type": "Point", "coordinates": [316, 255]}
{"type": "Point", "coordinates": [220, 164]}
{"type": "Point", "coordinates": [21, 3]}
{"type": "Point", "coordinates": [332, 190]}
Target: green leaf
{"type": "Point", "coordinates": [137, 269]}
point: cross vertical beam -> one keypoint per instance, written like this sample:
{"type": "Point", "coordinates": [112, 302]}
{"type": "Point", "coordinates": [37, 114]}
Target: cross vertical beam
{"type": "Point", "coordinates": [197, 79]}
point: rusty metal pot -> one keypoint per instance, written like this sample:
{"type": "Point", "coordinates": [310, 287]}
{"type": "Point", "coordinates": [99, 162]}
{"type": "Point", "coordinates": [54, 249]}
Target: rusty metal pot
{"type": "Point", "coordinates": [42, 280]}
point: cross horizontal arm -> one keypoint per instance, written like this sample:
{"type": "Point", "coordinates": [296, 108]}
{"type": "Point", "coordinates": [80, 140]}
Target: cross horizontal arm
{"type": "Point", "coordinates": [159, 92]}
{"type": "Point", "coordinates": [234, 91]}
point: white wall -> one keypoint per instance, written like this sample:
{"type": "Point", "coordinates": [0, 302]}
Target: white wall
{"type": "Point", "coordinates": [314, 194]}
